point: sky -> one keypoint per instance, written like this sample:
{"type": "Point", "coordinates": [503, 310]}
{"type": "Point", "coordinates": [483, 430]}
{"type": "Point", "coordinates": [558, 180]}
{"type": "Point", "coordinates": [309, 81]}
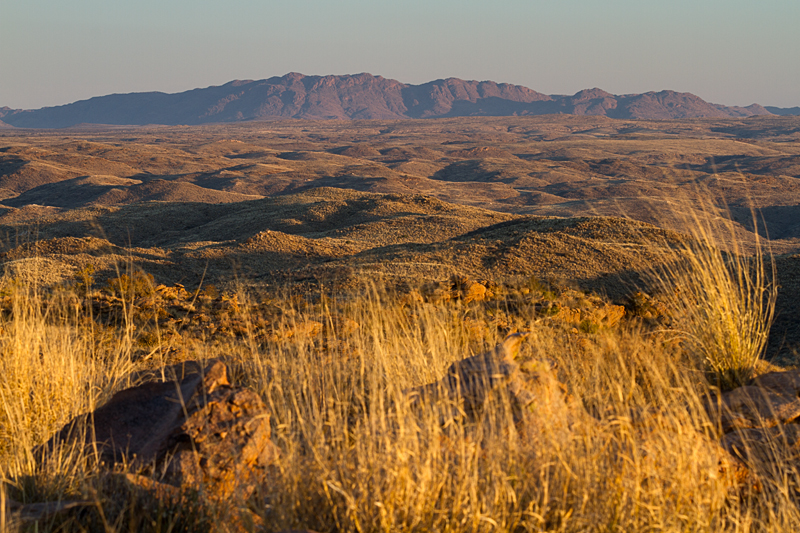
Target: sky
{"type": "Point", "coordinates": [732, 52]}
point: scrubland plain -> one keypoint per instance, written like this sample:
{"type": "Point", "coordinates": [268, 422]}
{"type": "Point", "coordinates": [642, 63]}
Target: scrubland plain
{"type": "Point", "coordinates": [334, 266]}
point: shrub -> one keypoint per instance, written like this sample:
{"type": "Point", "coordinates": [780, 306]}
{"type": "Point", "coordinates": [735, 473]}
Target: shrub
{"type": "Point", "coordinates": [135, 285]}
{"type": "Point", "coordinates": [721, 299]}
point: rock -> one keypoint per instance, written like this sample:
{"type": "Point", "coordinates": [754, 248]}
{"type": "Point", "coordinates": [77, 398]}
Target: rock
{"type": "Point", "coordinates": [608, 315]}
{"type": "Point", "coordinates": [176, 292]}
{"type": "Point", "coordinates": [534, 389]}
{"type": "Point", "coordinates": [758, 425]}
{"type": "Point", "coordinates": [224, 443]}
{"type": "Point", "coordinates": [235, 518]}
{"type": "Point", "coordinates": [162, 491]}
{"type": "Point", "coordinates": [645, 306]}
{"type": "Point", "coordinates": [17, 514]}
{"type": "Point", "coordinates": [567, 315]}
{"type": "Point", "coordinates": [133, 425]}
{"type": "Point", "coordinates": [475, 293]}
{"type": "Point", "coordinates": [537, 383]}
{"type": "Point", "coordinates": [543, 410]}
{"type": "Point", "coordinates": [194, 431]}
{"type": "Point", "coordinates": [786, 383]}
{"type": "Point", "coordinates": [300, 329]}
{"type": "Point", "coordinates": [469, 381]}
{"type": "Point", "coordinates": [737, 476]}
{"type": "Point", "coordinates": [753, 406]}
{"type": "Point", "coordinates": [469, 290]}
{"type": "Point", "coordinates": [764, 444]}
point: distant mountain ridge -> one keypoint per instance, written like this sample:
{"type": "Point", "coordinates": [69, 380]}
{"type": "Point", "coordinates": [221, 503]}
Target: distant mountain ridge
{"type": "Point", "coordinates": [360, 96]}
{"type": "Point", "coordinates": [784, 111]}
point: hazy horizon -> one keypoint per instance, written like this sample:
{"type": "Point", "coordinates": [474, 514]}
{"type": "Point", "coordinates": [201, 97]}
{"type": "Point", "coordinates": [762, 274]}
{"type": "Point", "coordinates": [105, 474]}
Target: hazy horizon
{"type": "Point", "coordinates": [734, 53]}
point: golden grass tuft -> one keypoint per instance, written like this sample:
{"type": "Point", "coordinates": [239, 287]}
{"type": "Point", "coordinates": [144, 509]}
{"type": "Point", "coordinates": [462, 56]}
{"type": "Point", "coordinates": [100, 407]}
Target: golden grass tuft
{"type": "Point", "coordinates": [721, 298]}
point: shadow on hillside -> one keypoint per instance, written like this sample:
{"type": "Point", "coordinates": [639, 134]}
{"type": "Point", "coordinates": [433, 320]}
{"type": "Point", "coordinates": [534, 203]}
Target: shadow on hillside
{"type": "Point", "coordinates": [775, 221]}
{"type": "Point", "coordinates": [10, 165]}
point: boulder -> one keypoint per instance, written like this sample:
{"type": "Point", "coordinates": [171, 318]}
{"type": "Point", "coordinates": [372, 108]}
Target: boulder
{"type": "Point", "coordinates": [475, 292]}
{"type": "Point", "coordinates": [786, 383]}
{"type": "Point", "coordinates": [224, 443]}
{"type": "Point", "coordinates": [469, 290]}
{"type": "Point", "coordinates": [468, 383]}
{"type": "Point", "coordinates": [759, 425]}
{"type": "Point", "coordinates": [16, 514]}
{"type": "Point", "coordinates": [768, 401]}
{"type": "Point", "coordinates": [193, 431]}
{"type": "Point", "coordinates": [764, 444]}
{"type": "Point", "coordinates": [134, 424]}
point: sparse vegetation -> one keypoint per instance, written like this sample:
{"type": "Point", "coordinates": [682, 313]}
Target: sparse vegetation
{"type": "Point", "coordinates": [618, 438]}
{"type": "Point", "coordinates": [721, 301]}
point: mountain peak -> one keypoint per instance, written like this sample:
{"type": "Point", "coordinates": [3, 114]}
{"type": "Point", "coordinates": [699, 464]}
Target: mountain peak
{"type": "Point", "coordinates": [588, 94]}
{"type": "Point", "coordinates": [361, 96]}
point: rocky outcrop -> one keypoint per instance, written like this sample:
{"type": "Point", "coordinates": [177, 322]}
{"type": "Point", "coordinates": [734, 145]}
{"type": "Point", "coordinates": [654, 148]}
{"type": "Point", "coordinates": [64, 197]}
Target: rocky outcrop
{"type": "Point", "coordinates": [187, 430]}
{"type": "Point", "coordinates": [467, 383]}
{"type": "Point", "coordinates": [759, 421]}
{"type": "Point", "coordinates": [191, 431]}
{"type": "Point", "coordinates": [134, 425]}
{"type": "Point", "coordinates": [224, 444]}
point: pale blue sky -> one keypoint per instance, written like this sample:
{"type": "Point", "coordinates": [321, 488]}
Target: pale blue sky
{"type": "Point", "coordinates": [733, 52]}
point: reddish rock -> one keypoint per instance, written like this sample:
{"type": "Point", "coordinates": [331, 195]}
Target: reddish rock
{"type": "Point", "coordinates": [133, 425]}
{"type": "Point", "coordinates": [475, 293]}
{"type": "Point", "coordinates": [301, 329]}
{"type": "Point", "coordinates": [468, 382]}
{"type": "Point", "coordinates": [753, 406]}
{"type": "Point", "coordinates": [224, 444]}
{"type": "Point", "coordinates": [195, 429]}
{"type": "Point", "coordinates": [764, 444]}
{"type": "Point", "coordinates": [786, 383]}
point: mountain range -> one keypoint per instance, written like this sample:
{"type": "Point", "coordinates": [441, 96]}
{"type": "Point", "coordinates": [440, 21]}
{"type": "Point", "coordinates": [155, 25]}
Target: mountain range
{"type": "Point", "coordinates": [364, 96]}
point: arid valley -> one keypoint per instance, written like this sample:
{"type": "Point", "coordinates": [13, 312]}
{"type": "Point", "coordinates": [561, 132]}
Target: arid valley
{"type": "Point", "coordinates": [268, 203]}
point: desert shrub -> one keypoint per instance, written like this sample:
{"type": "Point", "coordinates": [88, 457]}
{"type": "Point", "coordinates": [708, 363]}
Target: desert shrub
{"type": "Point", "coordinates": [721, 300]}
{"type": "Point", "coordinates": [85, 279]}
{"type": "Point", "coordinates": [543, 289]}
{"type": "Point", "coordinates": [134, 285]}
{"type": "Point", "coordinates": [588, 326]}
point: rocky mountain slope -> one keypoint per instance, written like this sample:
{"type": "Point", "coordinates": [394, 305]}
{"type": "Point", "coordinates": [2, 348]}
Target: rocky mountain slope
{"type": "Point", "coordinates": [360, 96]}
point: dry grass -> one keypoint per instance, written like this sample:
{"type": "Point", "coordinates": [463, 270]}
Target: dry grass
{"type": "Point", "coordinates": [630, 449]}
{"type": "Point", "coordinates": [618, 438]}
{"type": "Point", "coordinates": [721, 298]}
